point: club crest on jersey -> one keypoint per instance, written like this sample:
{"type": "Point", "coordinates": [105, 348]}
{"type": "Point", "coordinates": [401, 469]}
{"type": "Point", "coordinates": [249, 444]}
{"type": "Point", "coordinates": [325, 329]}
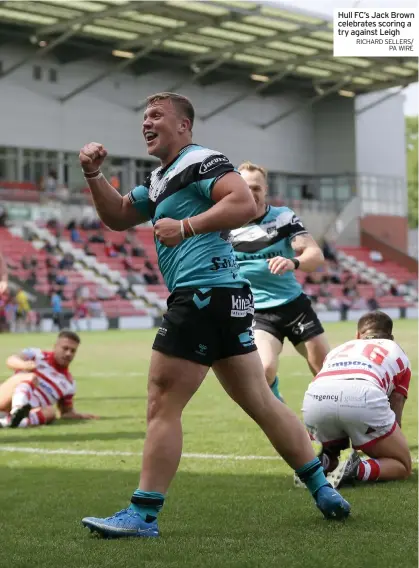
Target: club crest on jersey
{"type": "Point", "coordinates": [212, 162]}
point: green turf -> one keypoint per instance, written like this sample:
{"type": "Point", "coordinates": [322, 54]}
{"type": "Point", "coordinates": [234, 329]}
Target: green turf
{"type": "Point", "coordinates": [219, 513]}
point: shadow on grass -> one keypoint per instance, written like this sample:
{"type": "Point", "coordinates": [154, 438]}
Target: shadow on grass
{"type": "Point", "coordinates": [210, 520]}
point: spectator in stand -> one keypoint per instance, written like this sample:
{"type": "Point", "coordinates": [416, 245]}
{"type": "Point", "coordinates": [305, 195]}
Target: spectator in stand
{"type": "Point", "coordinates": [32, 279]}
{"type": "Point", "coordinates": [11, 311]}
{"type": "Point", "coordinates": [110, 250]}
{"type": "Point", "coordinates": [57, 310]}
{"type": "Point", "coordinates": [51, 182]}
{"type": "Point", "coordinates": [359, 303]}
{"type": "Point", "coordinates": [376, 256]}
{"type": "Point", "coordinates": [81, 293]}
{"type": "Point", "coordinates": [334, 273]}
{"type": "Point", "coordinates": [23, 308]}
{"type": "Point", "coordinates": [372, 303]}
{"type": "Point", "coordinates": [350, 289]}
{"type": "Point", "coordinates": [97, 238]}
{"type": "Point", "coordinates": [61, 280]}
{"type": "Point", "coordinates": [50, 262]}
{"type": "Point", "coordinates": [103, 293]}
{"type": "Point", "coordinates": [122, 292]}
{"type": "Point", "coordinates": [133, 278]}
{"type": "Point", "coordinates": [136, 249]}
{"type": "Point", "coordinates": [329, 252]}
{"type": "Point", "coordinates": [25, 263]}
{"type": "Point", "coordinates": [95, 309]}
{"type": "Point", "coordinates": [88, 251]}
{"type": "Point", "coordinates": [34, 262]}
{"type": "Point", "coordinates": [3, 216]}
{"type": "Point", "coordinates": [324, 291]}
{"type": "Point", "coordinates": [67, 262]}
{"type": "Point", "coordinates": [81, 311]}
{"type": "Point", "coordinates": [3, 317]}
{"type": "Point", "coordinates": [75, 236]}
{"type": "Point", "coordinates": [3, 275]}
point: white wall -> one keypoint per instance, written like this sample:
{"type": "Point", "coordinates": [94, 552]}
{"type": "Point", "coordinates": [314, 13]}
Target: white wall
{"type": "Point", "coordinates": [32, 116]}
{"type": "Point", "coordinates": [334, 132]}
{"type": "Point", "coordinates": [380, 136]}
{"type": "Point", "coordinates": [323, 139]}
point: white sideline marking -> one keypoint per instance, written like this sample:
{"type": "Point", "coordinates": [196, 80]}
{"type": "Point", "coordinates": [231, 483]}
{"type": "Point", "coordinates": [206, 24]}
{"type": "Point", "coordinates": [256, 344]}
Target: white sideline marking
{"type": "Point", "coordinates": [63, 451]}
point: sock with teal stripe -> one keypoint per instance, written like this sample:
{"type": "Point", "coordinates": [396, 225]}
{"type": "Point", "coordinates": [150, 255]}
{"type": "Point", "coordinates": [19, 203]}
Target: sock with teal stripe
{"type": "Point", "coordinates": [312, 474]}
{"type": "Point", "coordinates": [275, 389]}
{"type": "Point", "coordinates": [148, 504]}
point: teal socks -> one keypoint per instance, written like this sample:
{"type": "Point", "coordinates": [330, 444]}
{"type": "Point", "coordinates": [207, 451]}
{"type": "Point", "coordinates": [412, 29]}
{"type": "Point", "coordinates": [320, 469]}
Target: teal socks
{"type": "Point", "coordinates": [312, 474]}
{"type": "Point", "coordinates": [275, 389]}
{"type": "Point", "coordinates": [148, 504]}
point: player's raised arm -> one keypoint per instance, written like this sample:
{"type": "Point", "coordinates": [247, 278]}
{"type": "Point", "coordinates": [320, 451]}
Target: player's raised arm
{"type": "Point", "coordinates": [117, 212]}
{"type": "Point", "coordinates": [234, 206]}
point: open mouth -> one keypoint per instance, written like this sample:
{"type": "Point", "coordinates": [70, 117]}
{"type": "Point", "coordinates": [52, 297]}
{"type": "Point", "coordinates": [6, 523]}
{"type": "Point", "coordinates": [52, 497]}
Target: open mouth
{"type": "Point", "coordinates": [150, 136]}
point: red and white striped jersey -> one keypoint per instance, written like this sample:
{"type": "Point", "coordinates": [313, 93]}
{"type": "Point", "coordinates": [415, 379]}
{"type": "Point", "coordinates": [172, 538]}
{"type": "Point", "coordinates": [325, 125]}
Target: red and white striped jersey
{"type": "Point", "coordinates": [56, 385]}
{"type": "Point", "coordinates": [379, 361]}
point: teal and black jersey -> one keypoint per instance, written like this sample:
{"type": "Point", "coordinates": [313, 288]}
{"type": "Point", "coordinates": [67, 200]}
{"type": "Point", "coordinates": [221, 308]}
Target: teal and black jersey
{"type": "Point", "coordinates": [264, 238]}
{"type": "Point", "coordinates": [181, 190]}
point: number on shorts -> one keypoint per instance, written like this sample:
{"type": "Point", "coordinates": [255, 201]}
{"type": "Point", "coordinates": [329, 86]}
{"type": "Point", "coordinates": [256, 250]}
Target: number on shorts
{"type": "Point", "coordinates": [375, 353]}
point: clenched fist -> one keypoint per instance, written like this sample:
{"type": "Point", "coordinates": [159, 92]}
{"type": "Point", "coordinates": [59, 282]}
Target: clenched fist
{"type": "Point", "coordinates": [168, 232]}
{"type": "Point", "coordinates": [92, 156]}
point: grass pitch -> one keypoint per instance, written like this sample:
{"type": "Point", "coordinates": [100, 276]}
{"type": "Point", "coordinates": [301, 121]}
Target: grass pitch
{"type": "Point", "coordinates": [221, 511]}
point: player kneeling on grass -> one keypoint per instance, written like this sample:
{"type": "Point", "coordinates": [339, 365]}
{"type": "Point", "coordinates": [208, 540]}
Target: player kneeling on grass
{"type": "Point", "coordinates": [358, 397]}
{"type": "Point", "coordinates": [41, 379]}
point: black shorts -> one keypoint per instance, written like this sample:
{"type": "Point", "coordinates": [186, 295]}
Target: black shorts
{"type": "Point", "coordinates": [207, 324]}
{"type": "Point", "coordinates": [296, 320]}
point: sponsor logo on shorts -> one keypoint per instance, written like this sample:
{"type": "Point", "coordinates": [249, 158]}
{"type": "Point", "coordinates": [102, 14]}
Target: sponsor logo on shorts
{"type": "Point", "coordinates": [241, 307]}
{"type": "Point", "coordinates": [299, 328]}
{"type": "Point", "coordinates": [247, 338]}
{"type": "Point", "coordinates": [353, 401]}
{"type": "Point", "coordinates": [202, 349]}
{"type": "Point", "coordinates": [212, 162]}
{"type": "Point", "coordinates": [321, 397]}
{"type": "Point", "coordinates": [162, 331]}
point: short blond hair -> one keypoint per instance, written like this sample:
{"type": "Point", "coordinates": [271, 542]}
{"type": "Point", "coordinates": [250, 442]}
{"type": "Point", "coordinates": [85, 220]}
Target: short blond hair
{"type": "Point", "coordinates": [250, 167]}
{"type": "Point", "coordinates": [182, 104]}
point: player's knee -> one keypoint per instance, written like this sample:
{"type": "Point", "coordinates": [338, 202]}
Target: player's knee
{"type": "Point", "coordinates": [49, 414]}
{"type": "Point", "coordinates": [158, 400]}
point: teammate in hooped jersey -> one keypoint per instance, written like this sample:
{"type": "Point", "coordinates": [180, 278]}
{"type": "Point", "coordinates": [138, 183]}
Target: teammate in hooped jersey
{"type": "Point", "coordinates": [40, 381]}
{"type": "Point", "coordinates": [268, 251]}
{"type": "Point", "coordinates": [358, 397]}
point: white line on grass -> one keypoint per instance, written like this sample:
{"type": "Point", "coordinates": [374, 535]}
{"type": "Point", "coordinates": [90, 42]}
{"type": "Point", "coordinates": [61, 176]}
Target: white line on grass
{"type": "Point", "coordinates": [64, 451]}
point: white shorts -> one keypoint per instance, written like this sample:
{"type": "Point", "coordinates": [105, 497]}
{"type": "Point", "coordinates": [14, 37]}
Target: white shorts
{"type": "Point", "coordinates": [338, 410]}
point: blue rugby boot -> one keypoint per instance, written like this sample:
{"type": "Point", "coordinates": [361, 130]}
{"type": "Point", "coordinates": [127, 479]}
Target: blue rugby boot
{"type": "Point", "coordinates": [331, 503]}
{"type": "Point", "coordinates": [125, 523]}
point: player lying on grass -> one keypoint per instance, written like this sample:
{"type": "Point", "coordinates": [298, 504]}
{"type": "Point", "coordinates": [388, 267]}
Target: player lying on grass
{"type": "Point", "coordinates": [269, 250]}
{"type": "Point", "coordinates": [193, 199]}
{"type": "Point", "coordinates": [358, 397]}
{"type": "Point", "coordinates": [41, 380]}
